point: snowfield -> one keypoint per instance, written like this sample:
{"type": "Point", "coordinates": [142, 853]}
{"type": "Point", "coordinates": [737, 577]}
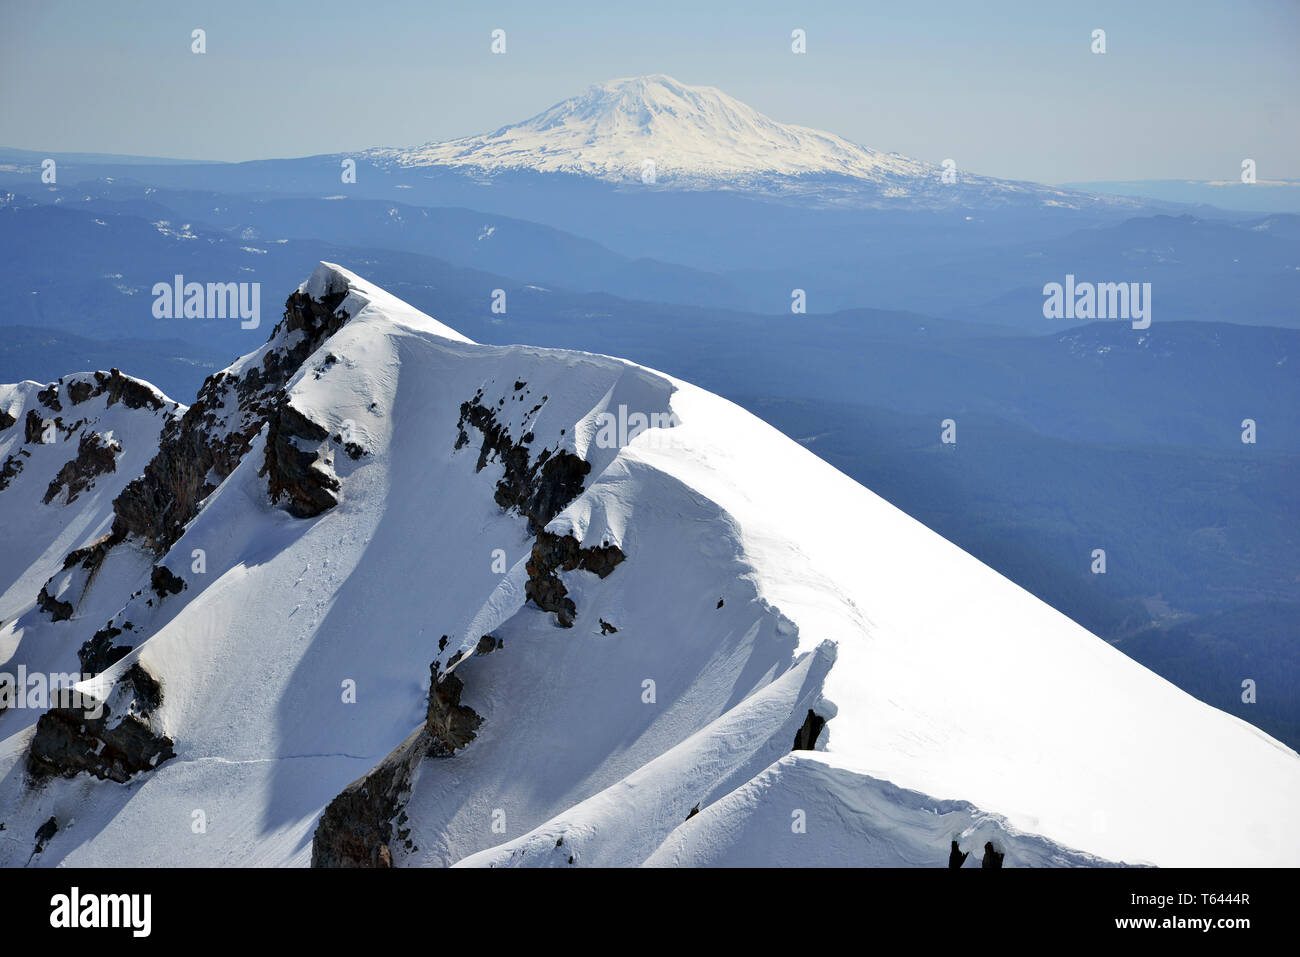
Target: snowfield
{"type": "Point", "coordinates": [729, 592]}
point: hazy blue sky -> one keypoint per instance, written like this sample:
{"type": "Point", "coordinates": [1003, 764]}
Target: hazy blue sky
{"type": "Point", "coordinates": [1010, 89]}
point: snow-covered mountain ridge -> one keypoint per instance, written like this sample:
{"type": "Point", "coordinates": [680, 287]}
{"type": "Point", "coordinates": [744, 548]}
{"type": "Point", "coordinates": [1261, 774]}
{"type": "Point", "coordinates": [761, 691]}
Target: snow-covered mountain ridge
{"type": "Point", "coordinates": [654, 130]}
{"type": "Point", "coordinates": [658, 632]}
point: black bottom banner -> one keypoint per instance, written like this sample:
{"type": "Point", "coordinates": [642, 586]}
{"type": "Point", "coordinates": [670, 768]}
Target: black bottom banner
{"type": "Point", "coordinates": [218, 906]}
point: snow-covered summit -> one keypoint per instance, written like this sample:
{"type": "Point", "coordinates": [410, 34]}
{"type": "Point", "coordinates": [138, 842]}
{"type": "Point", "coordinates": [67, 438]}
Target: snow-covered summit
{"type": "Point", "coordinates": [506, 605]}
{"type": "Point", "coordinates": [694, 133]}
{"type": "Point", "coordinates": [657, 130]}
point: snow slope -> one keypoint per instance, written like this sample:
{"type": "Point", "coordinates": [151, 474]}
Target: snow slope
{"type": "Point", "coordinates": [698, 137]}
{"type": "Point", "coordinates": [757, 584]}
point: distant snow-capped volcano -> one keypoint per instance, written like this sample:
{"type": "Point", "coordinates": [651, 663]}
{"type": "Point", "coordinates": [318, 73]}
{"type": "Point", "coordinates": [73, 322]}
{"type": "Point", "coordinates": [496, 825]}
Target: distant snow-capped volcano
{"type": "Point", "coordinates": [655, 129]}
{"type": "Point", "coordinates": [698, 132]}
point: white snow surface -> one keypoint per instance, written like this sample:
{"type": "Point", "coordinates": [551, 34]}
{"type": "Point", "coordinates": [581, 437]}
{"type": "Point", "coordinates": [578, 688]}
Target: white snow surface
{"type": "Point", "coordinates": [959, 706]}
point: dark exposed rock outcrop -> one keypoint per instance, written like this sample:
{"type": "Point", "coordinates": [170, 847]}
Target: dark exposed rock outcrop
{"type": "Point", "coordinates": [956, 856]}
{"type": "Point", "coordinates": [12, 466]}
{"type": "Point", "coordinates": [100, 651]}
{"type": "Point", "coordinates": [33, 427]}
{"type": "Point", "coordinates": [555, 553]}
{"type": "Point", "coordinates": [805, 739]}
{"type": "Point", "coordinates": [110, 746]}
{"type": "Point", "coordinates": [165, 582]}
{"type": "Point", "coordinates": [57, 610]}
{"type": "Point", "coordinates": [45, 833]}
{"type": "Point", "coordinates": [992, 856]}
{"type": "Point", "coordinates": [218, 430]}
{"type": "Point", "coordinates": [49, 397]}
{"type": "Point", "coordinates": [95, 456]}
{"type": "Point", "coordinates": [302, 477]}
{"type": "Point", "coordinates": [360, 827]}
{"type": "Point", "coordinates": [537, 487]}
{"type": "Point", "coordinates": [132, 393]}
{"type": "Point", "coordinates": [450, 724]}
{"type": "Point", "coordinates": [90, 556]}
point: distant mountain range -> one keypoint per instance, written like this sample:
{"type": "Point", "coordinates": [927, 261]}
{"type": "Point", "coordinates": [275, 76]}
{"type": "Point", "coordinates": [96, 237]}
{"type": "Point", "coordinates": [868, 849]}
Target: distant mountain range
{"type": "Point", "coordinates": [1264, 195]}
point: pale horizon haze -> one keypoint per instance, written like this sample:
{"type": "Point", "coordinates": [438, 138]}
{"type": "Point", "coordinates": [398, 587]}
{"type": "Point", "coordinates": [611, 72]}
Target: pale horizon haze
{"type": "Point", "coordinates": [1011, 89]}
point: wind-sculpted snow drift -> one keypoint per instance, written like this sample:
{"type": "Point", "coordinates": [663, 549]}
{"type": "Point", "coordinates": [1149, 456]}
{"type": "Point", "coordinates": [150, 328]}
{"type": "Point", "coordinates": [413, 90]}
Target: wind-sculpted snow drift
{"type": "Point", "coordinates": [385, 596]}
